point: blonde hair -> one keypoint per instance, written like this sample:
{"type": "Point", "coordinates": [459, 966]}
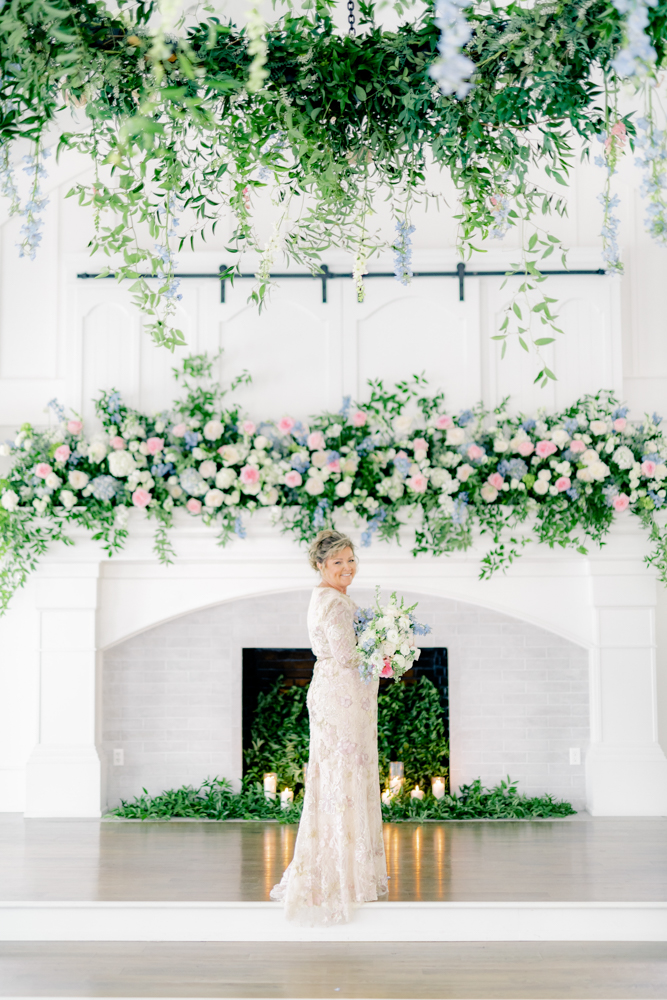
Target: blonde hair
{"type": "Point", "coordinates": [327, 544]}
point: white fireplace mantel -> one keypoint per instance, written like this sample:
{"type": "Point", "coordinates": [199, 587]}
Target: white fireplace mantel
{"type": "Point", "coordinates": [80, 603]}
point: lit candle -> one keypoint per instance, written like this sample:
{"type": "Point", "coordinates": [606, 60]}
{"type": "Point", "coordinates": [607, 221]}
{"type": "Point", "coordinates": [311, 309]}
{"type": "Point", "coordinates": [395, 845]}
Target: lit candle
{"type": "Point", "coordinates": [417, 793]}
{"type": "Point", "coordinates": [387, 797]}
{"type": "Point", "coordinates": [286, 798]}
{"type": "Point", "coordinates": [270, 784]}
{"type": "Point", "coordinates": [438, 787]}
{"type": "Point", "coordinates": [396, 776]}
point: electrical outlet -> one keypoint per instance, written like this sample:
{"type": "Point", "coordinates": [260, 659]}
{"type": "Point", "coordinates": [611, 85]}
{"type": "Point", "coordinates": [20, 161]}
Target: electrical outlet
{"type": "Point", "coordinates": [575, 755]}
{"type": "Point", "coordinates": [119, 757]}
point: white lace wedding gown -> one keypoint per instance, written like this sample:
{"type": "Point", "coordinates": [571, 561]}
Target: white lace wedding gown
{"type": "Point", "coordinates": [339, 856]}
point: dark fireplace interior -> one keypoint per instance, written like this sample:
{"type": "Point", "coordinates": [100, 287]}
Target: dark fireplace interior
{"type": "Point", "coordinates": [262, 667]}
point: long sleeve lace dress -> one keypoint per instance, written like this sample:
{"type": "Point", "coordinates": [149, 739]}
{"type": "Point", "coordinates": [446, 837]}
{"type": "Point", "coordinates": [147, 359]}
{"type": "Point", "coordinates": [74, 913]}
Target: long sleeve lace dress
{"type": "Point", "coordinates": [339, 858]}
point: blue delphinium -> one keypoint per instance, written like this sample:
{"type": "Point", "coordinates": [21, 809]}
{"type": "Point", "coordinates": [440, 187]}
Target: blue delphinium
{"type": "Point", "coordinates": [318, 514]}
{"type": "Point", "coordinates": [372, 527]}
{"type": "Point", "coordinates": [191, 439]}
{"type": "Point", "coordinates": [657, 419]}
{"type": "Point", "coordinates": [417, 627]}
{"type": "Point", "coordinates": [452, 68]}
{"type": "Point", "coordinates": [402, 465]}
{"type": "Point", "coordinates": [460, 512]}
{"type": "Point", "coordinates": [403, 252]}
{"type": "Point", "coordinates": [299, 462]}
{"type": "Point", "coordinates": [57, 408]}
{"type": "Point", "coordinates": [515, 468]}
{"type": "Point", "coordinates": [31, 235]}
{"type": "Point", "coordinates": [104, 487]}
{"type": "Point", "coordinates": [239, 529]}
{"type": "Point", "coordinates": [637, 57]}
{"type": "Point", "coordinates": [465, 417]}
{"type": "Point", "coordinates": [345, 408]}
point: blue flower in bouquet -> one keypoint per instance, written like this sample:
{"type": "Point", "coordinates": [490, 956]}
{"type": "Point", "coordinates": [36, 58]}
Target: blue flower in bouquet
{"type": "Point", "coordinates": [515, 468]}
{"type": "Point", "coordinates": [657, 500]}
{"type": "Point", "coordinates": [318, 514]}
{"type": "Point", "coordinates": [238, 528]}
{"type": "Point", "coordinates": [619, 412]}
{"type": "Point", "coordinates": [113, 407]}
{"type": "Point", "coordinates": [465, 417]}
{"type": "Point", "coordinates": [366, 446]}
{"type": "Point", "coordinates": [300, 462]}
{"type": "Point", "coordinates": [58, 409]}
{"type": "Point", "coordinates": [362, 617]}
{"type": "Point", "coordinates": [345, 408]}
{"type": "Point", "coordinates": [656, 419]}
{"type": "Point", "coordinates": [571, 425]}
{"type": "Point", "coordinates": [402, 465]}
{"type": "Point", "coordinates": [372, 527]}
{"type": "Point", "coordinates": [460, 512]}
{"type": "Point", "coordinates": [162, 469]}
{"type": "Point", "coordinates": [386, 638]}
{"type": "Point", "coordinates": [417, 627]}
{"type": "Point", "coordinates": [299, 433]}
{"type": "Point", "coordinates": [191, 439]}
{"type": "Point", "coordinates": [573, 493]}
{"type": "Point", "coordinates": [104, 487]}
{"type": "Point", "coordinates": [652, 457]}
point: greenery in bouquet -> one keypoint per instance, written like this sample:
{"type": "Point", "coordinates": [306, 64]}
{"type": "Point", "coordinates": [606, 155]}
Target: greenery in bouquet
{"type": "Point", "coordinates": [560, 478]}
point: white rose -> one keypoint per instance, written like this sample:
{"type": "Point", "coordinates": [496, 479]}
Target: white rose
{"type": "Point", "coordinates": [225, 478]}
{"type": "Point", "coordinates": [251, 489]}
{"type": "Point", "coordinates": [465, 472]}
{"type": "Point", "coordinates": [5, 450]}
{"type": "Point", "coordinates": [175, 491]}
{"type": "Point", "coordinates": [541, 487]}
{"type": "Point", "coordinates": [268, 497]}
{"type": "Point", "coordinates": [344, 488]}
{"type": "Point", "coordinates": [53, 481]}
{"type": "Point", "coordinates": [544, 474]}
{"type": "Point", "coordinates": [261, 443]}
{"type": "Point", "coordinates": [334, 431]}
{"type": "Point", "coordinates": [213, 430]}
{"type": "Point", "coordinates": [456, 436]}
{"type": "Point", "coordinates": [598, 471]}
{"type": "Point", "coordinates": [232, 499]}
{"type": "Point", "coordinates": [314, 486]}
{"type": "Point", "coordinates": [589, 456]}
{"type": "Point", "coordinates": [207, 469]}
{"type": "Point", "coordinates": [585, 475]}
{"type": "Point", "coordinates": [660, 472]}
{"type": "Point", "coordinates": [40, 505]}
{"type": "Point", "coordinates": [440, 477]}
{"type": "Point", "coordinates": [214, 498]}
{"type": "Point", "coordinates": [560, 437]}
{"type": "Point", "coordinates": [77, 480]}
{"type": "Point", "coordinates": [500, 444]}
{"type": "Point", "coordinates": [97, 451]}
{"type": "Point", "coordinates": [229, 454]}
{"type": "Point", "coordinates": [599, 426]}
{"type": "Point", "coordinates": [121, 463]}
{"type": "Point", "coordinates": [402, 425]}
{"type": "Point", "coordinates": [9, 500]}
{"type": "Point", "coordinates": [198, 454]}
{"type": "Point", "coordinates": [67, 498]}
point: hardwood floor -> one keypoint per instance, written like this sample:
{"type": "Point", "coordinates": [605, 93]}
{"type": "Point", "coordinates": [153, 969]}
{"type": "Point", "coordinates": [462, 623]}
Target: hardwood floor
{"type": "Point", "coordinates": [420, 971]}
{"type": "Point", "coordinates": [594, 860]}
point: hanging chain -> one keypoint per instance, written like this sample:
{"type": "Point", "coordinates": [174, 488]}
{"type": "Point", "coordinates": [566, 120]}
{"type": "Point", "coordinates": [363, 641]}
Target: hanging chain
{"type": "Point", "coordinates": [350, 18]}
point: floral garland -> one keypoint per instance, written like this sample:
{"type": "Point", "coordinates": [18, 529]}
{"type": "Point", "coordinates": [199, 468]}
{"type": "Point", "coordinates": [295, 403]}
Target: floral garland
{"type": "Point", "coordinates": [379, 463]}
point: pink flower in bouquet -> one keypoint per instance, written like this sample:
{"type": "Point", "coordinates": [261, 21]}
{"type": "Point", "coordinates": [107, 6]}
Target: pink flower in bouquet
{"type": "Point", "coordinates": [488, 492]}
{"type": "Point", "coordinates": [443, 422]}
{"type": "Point", "coordinates": [577, 447]}
{"type": "Point", "coordinates": [496, 480]}
{"type": "Point", "coordinates": [648, 468]}
{"type": "Point", "coordinates": [179, 430]}
{"type": "Point", "coordinates": [420, 444]}
{"type": "Point", "coordinates": [359, 418]}
{"type": "Point", "coordinates": [475, 452]}
{"type": "Point", "coordinates": [387, 670]}
{"type": "Point", "coordinates": [526, 448]}
{"type": "Point", "coordinates": [293, 479]}
{"type": "Point", "coordinates": [154, 445]}
{"type": "Point", "coordinates": [117, 443]}
{"type": "Point", "coordinates": [193, 505]}
{"type": "Point", "coordinates": [316, 441]}
{"type": "Point", "coordinates": [43, 470]}
{"type": "Point", "coordinates": [619, 424]}
{"type": "Point", "coordinates": [62, 453]}
{"type": "Point", "coordinates": [620, 501]}
{"type": "Point", "coordinates": [141, 497]}
{"type": "Point", "coordinates": [545, 448]}
{"type": "Point", "coordinates": [334, 465]}
{"type": "Point", "coordinates": [74, 426]}
{"type": "Point", "coordinates": [562, 484]}
{"type": "Point", "coordinates": [248, 427]}
{"type": "Point", "coordinates": [418, 483]}
{"type": "Point", "coordinates": [249, 475]}
{"type": "Point", "coordinates": [619, 132]}
{"type": "Point", "coordinates": [285, 425]}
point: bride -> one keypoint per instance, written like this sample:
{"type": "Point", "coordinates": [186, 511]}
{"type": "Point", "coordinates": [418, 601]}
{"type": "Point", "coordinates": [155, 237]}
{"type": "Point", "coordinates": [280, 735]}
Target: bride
{"type": "Point", "coordinates": [339, 856]}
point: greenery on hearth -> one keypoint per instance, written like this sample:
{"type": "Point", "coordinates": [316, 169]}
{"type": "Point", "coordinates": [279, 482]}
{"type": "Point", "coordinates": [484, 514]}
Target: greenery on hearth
{"type": "Point", "coordinates": [411, 728]}
{"type": "Point", "coordinates": [560, 479]}
{"type": "Point", "coordinates": [185, 121]}
{"type": "Point", "coordinates": [215, 800]}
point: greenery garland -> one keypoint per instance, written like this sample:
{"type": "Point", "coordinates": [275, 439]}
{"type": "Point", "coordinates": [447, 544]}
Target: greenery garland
{"type": "Point", "coordinates": [397, 457]}
{"type": "Point", "coordinates": [188, 124]}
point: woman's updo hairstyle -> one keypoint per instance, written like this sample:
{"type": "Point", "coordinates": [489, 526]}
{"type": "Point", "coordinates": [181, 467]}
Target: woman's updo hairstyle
{"type": "Point", "coordinates": [327, 544]}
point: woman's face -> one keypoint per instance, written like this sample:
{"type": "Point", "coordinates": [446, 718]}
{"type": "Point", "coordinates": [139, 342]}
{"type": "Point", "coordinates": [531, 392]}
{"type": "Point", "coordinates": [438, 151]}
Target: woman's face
{"type": "Point", "coordinates": [339, 570]}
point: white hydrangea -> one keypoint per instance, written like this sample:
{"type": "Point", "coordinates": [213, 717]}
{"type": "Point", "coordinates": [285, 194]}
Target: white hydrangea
{"type": "Point", "coordinates": [121, 463]}
{"type": "Point", "coordinates": [67, 499]}
{"type": "Point", "coordinates": [344, 487]}
{"type": "Point", "coordinates": [560, 437]}
{"type": "Point", "coordinates": [440, 477]}
{"type": "Point", "coordinates": [225, 478]}
{"type": "Point", "coordinates": [97, 451]}
{"type": "Point", "coordinates": [623, 457]}
{"type": "Point", "coordinates": [9, 500]}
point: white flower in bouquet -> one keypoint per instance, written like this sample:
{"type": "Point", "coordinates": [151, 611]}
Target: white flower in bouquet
{"type": "Point", "coordinates": [225, 478]}
{"type": "Point", "coordinates": [9, 500]}
{"type": "Point", "coordinates": [385, 638]}
{"type": "Point", "coordinates": [97, 451]}
{"type": "Point", "coordinates": [213, 430]}
{"type": "Point", "coordinates": [121, 463]}
{"type": "Point", "coordinates": [67, 499]}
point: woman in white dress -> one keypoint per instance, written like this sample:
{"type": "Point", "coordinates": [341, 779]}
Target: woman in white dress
{"type": "Point", "coordinates": [339, 859]}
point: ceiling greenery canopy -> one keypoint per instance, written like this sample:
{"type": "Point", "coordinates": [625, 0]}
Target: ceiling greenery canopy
{"type": "Point", "coordinates": [187, 120]}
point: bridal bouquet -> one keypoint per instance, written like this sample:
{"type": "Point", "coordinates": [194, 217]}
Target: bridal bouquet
{"type": "Point", "coordinates": [385, 638]}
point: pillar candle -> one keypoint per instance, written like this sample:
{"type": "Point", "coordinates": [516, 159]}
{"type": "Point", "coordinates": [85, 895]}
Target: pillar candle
{"type": "Point", "coordinates": [270, 784]}
{"type": "Point", "coordinates": [438, 787]}
{"type": "Point", "coordinates": [417, 793]}
{"type": "Point", "coordinates": [286, 798]}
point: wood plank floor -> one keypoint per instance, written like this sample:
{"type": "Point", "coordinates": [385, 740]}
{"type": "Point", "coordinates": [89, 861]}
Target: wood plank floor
{"type": "Point", "coordinates": [601, 859]}
{"type": "Point", "coordinates": [422, 971]}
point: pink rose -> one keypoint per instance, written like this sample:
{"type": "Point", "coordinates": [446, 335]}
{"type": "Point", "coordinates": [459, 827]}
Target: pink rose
{"type": "Point", "coordinates": [420, 444]}
{"type": "Point", "coordinates": [293, 479]}
{"type": "Point", "coordinates": [154, 445]}
{"type": "Point", "coordinates": [194, 506]}
{"type": "Point", "coordinates": [444, 422]}
{"type": "Point", "coordinates": [387, 670]}
{"type": "Point", "coordinates": [488, 492]}
{"type": "Point", "coordinates": [496, 480]}
{"type": "Point", "coordinates": [74, 426]}
{"type": "Point", "coordinates": [526, 448]}
{"type": "Point", "coordinates": [62, 453]}
{"type": "Point", "coordinates": [249, 475]}
{"type": "Point", "coordinates": [179, 430]}
{"type": "Point", "coordinates": [316, 441]}
{"type": "Point", "coordinates": [545, 448]}
{"type": "Point", "coordinates": [117, 443]}
{"type": "Point", "coordinates": [562, 484]}
{"type": "Point", "coordinates": [248, 427]}
{"type": "Point", "coordinates": [474, 452]}
{"type": "Point", "coordinates": [285, 425]}
{"type": "Point", "coordinates": [359, 418]}
{"type": "Point", "coordinates": [620, 501]}
{"type": "Point", "coordinates": [577, 447]}
{"type": "Point", "coordinates": [334, 465]}
{"type": "Point", "coordinates": [43, 470]}
{"type": "Point", "coordinates": [418, 483]}
{"type": "Point", "coordinates": [141, 497]}
{"type": "Point", "coordinates": [648, 468]}
{"type": "Point", "coordinates": [619, 424]}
